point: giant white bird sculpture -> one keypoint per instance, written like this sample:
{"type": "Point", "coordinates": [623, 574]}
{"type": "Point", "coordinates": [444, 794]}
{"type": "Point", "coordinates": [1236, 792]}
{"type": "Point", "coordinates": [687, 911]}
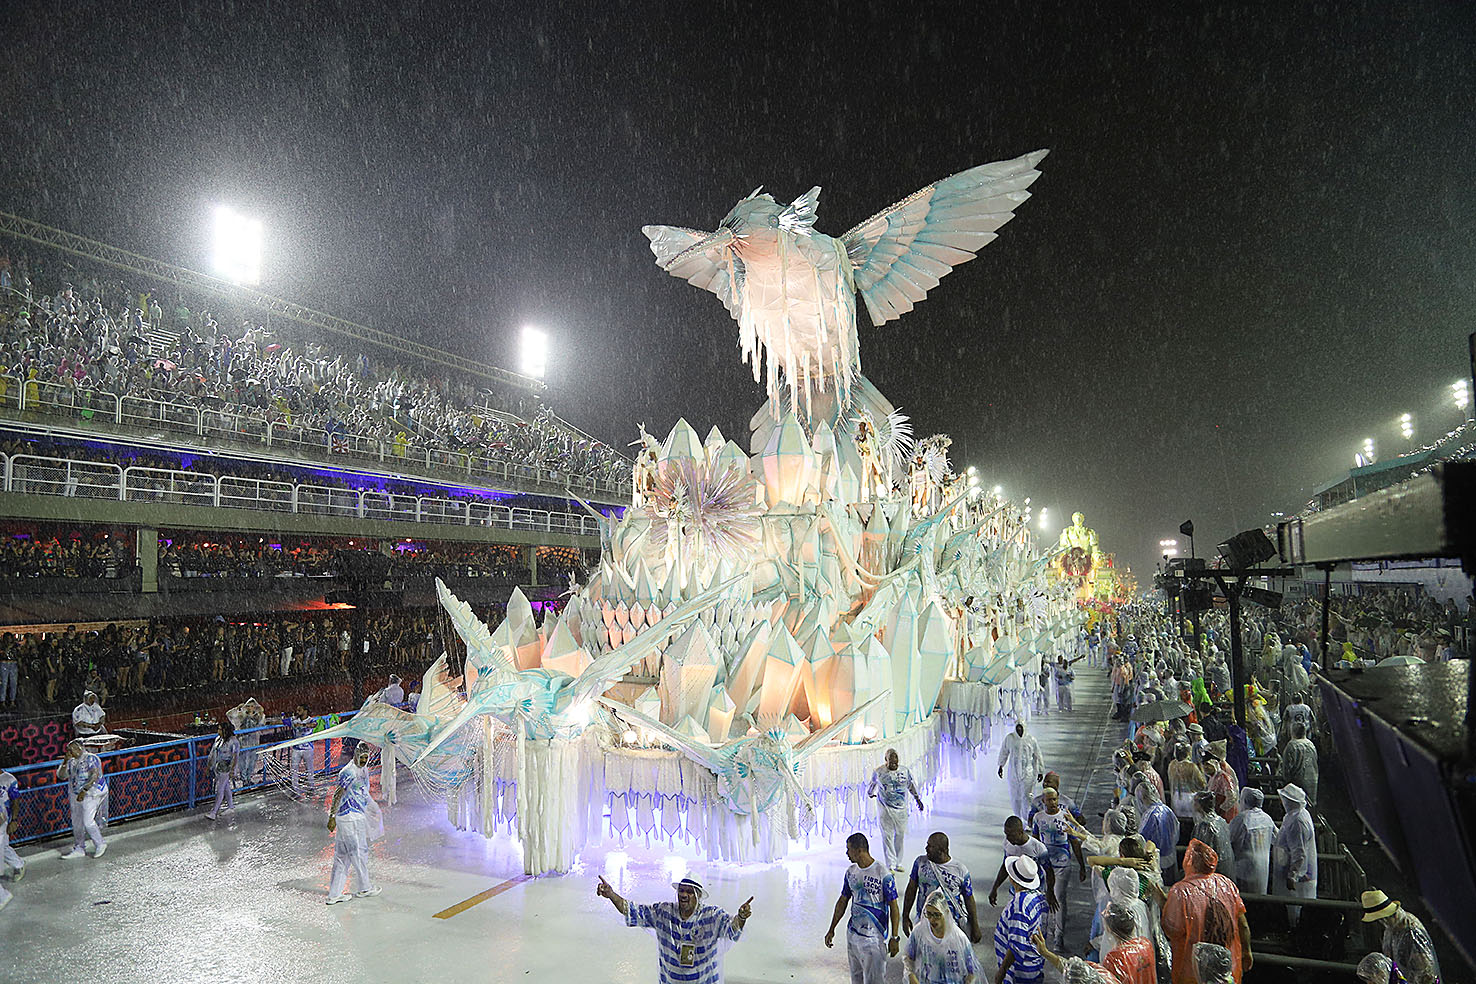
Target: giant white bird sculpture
{"type": "Point", "coordinates": [792, 289]}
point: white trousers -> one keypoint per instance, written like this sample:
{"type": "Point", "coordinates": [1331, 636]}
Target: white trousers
{"type": "Point", "coordinates": [350, 853]}
{"type": "Point", "coordinates": [301, 769]}
{"type": "Point", "coordinates": [9, 859]}
{"type": "Point", "coordinates": [867, 956]}
{"type": "Point", "coordinates": [225, 793]}
{"type": "Point", "coordinates": [1063, 696]}
{"type": "Point", "coordinates": [894, 832]}
{"type": "Point", "coordinates": [84, 820]}
{"type": "Point", "coordinates": [1020, 794]}
{"type": "Point", "coordinates": [1055, 922]}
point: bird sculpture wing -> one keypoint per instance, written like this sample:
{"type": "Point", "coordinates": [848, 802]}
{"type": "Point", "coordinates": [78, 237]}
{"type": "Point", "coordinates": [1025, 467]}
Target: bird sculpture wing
{"type": "Point", "coordinates": [901, 253]}
{"type": "Point", "coordinates": [611, 666]}
{"type": "Point", "coordinates": [376, 724]}
{"type": "Point", "coordinates": [697, 267]}
{"type": "Point", "coordinates": [705, 755]}
{"type": "Point", "coordinates": [815, 742]}
{"type": "Point", "coordinates": [481, 651]}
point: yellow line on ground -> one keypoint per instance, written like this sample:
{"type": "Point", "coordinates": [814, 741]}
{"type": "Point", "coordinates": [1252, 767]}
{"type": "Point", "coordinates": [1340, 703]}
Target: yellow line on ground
{"type": "Point", "coordinates": [480, 897]}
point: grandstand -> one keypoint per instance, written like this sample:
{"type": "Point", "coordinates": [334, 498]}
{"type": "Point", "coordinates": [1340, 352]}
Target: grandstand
{"type": "Point", "coordinates": [181, 459]}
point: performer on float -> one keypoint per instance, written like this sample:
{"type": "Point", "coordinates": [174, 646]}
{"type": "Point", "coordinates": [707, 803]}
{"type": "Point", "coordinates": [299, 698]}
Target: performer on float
{"type": "Point", "coordinates": [874, 482]}
{"type": "Point", "coordinates": [644, 471]}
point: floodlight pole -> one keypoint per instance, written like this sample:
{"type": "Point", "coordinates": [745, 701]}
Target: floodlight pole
{"type": "Point", "coordinates": [1327, 570]}
{"type": "Point", "coordinates": [1237, 653]}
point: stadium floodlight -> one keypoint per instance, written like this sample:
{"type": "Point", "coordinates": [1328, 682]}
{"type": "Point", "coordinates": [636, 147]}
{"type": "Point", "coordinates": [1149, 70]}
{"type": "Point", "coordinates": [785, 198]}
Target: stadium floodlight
{"type": "Point", "coordinates": [1045, 517]}
{"type": "Point", "coordinates": [1406, 425]}
{"type": "Point", "coordinates": [236, 246]}
{"type": "Point", "coordinates": [999, 490]}
{"type": "Point", "coordinates": [973, 479]}
{"type": "Point", "coordinates": [535, 352]}
{"type": "Point", "coordinates": [1368, 451]}
{"type": "Point", "coordinates": [1461, 393]}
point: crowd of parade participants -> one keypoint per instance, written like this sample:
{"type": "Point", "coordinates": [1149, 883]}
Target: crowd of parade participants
{"type": "Point", "coordinates": [1183, 841]}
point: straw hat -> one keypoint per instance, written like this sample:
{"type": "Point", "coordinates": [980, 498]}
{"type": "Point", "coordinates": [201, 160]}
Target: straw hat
{"type": "Point", "coordinates": [1377, 905]}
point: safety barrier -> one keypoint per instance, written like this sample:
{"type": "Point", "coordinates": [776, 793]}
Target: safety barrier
{"type": "Point", "coordinates": [150, 779]}
{"type": "Point", "coordinates": [154, 415]}
{"type": "Point", "coordinates": [37, 475]}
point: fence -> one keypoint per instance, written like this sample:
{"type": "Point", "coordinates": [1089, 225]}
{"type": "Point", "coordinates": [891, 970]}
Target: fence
{"type": "Point", "coordinates": [154, 415]}
{"type": "Point", "coordinates": [36, 475]}
{"type": "Point", "coordinates": [148, 779]}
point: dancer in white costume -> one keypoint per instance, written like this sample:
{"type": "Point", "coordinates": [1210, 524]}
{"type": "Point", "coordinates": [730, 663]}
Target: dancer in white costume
{"type": "Point", "coordinates": [890, 784]}
{"type": "Point", "coordinates": [1021, 755]}
{"type": "Point", "coordinates": [351, 814]}
{"type": "Point", "coordinates": [87, 794]}
{"type": "Point", "coordinates": [871, 893]}
{"type": "Point", "coordinates": [9, 787]}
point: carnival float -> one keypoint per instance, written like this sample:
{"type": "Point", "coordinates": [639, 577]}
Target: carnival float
{"type": "Point", "coordinates": [764, 620]}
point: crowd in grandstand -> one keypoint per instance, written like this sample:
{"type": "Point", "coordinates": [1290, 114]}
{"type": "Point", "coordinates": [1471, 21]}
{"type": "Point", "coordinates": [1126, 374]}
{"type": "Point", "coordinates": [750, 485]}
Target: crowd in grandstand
{"type": "Point", "coordinates": [92, 344]}
{"type": "Point", "coordinates": [164, 654]}
{"type": "Point", "coordinates": [31, 552]}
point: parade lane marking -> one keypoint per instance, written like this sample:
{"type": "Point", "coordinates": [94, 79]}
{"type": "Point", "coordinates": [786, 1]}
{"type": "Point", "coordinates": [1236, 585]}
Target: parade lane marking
{"type": "Point", "coordinates": [480, 897]}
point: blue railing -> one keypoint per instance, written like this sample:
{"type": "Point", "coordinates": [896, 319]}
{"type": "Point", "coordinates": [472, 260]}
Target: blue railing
{"type": "Point", "coordinates": [146, 780]}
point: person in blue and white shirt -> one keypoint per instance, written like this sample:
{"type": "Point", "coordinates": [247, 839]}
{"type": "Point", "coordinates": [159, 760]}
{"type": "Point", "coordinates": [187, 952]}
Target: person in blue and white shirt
{"type": "Point", "coordinates": [890, 784]}
{"type": "Point", "coordinates": [936, 872]}
{"type": "Point", "coordinates": [350, 817]}
{"type": "Point", "coordinates": [300, 767]}
{"type": "Point", "coordinates": [937, 950]}
{"type": "Point", "coordinates": [1021, 918]}
{"type": "Point", "coordinates": [690, 937]}
{"type": "Point", "coordinates": [87, 792]}
{"type": "Point", "coordinates": [872, 931]}
{"type": "Point", "coordinates": [9, 860]}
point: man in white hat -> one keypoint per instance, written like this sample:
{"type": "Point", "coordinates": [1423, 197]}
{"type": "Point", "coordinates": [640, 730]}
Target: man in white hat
{"type": "Point", "coordinates": [1294, 853]}
{"type": "Point", "coordinates": [1406, 941]}
{"type": "Point", "coordinates": [690, 937]}
{"type": "Point", "coordinates": [1021, 918]}
{"type": "Point", "coordinates": [872, 931]}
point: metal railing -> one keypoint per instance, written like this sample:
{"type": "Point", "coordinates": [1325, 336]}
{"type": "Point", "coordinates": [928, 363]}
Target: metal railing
{"type": "Point", "coordinates": [164, 777]}
{"type": "Point", "coordinates": [149, 414]}
{"type": "Point", "coordinates": [36, 475]}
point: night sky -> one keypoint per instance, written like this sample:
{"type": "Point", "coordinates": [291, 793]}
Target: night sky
{"type": "Point", "coordinates": [1253, 244]}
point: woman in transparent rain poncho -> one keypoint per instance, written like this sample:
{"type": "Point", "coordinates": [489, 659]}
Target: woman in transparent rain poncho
{"type": "Point", "coordinates": [937, 951]}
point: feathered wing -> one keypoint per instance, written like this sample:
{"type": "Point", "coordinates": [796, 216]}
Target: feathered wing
{"type": "Point", "coordinates": [815, 742]}
{"type": "Point", "coordinates": [611, 666]}
{"type": "Point", "coordinates": [376, 724]}
{"type": "Point", "coordinates": [894, 440]}
{"type": "Point", "coordinates": [481, 651]}
{"type": "Point", "coordinates": [901, 253]}
{"type": "Point", "coordinates": [704, 755]}
{"type": "Point", "coordinates": [697, 267]}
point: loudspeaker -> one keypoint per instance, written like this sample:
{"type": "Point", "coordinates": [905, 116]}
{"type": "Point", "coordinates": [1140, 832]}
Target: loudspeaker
{"type": "Point", "coordinates": [1247, 549]}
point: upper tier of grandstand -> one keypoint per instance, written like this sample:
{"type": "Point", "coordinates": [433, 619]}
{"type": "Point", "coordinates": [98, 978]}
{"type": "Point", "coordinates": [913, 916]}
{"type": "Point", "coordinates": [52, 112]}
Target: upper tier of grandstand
{"type": "Point", "coordinates": [100, 352]}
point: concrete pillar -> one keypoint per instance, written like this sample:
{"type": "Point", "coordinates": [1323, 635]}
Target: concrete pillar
{"type": "Point", "coordinates": [146, 548]}
{"type": "Point", "coordinates": [530, 558]}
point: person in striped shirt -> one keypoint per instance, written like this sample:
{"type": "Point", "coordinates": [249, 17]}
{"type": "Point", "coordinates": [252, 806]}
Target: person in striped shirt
{"type": "Point", "coordinates": [1021, 918]}
{"type": "Point", "coordinates": [691, 938]}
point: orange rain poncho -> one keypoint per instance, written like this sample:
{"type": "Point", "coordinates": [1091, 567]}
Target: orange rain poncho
{"type": "Point", "coordinates": [1203, 908]}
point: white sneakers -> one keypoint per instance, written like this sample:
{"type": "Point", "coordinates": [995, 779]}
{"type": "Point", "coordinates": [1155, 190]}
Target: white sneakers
{"type": "Point", "coordinates": [74, 855]}
{"type": "Point", "coordinates": [368, 892]}
{"type": "Point", "coordinates": [101, 850]}
{"type": "Point", "coordinates": [335, 899]}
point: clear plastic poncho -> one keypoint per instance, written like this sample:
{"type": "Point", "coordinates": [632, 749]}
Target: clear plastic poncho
{"type": "Point", "coordinates": [1251, 834]}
